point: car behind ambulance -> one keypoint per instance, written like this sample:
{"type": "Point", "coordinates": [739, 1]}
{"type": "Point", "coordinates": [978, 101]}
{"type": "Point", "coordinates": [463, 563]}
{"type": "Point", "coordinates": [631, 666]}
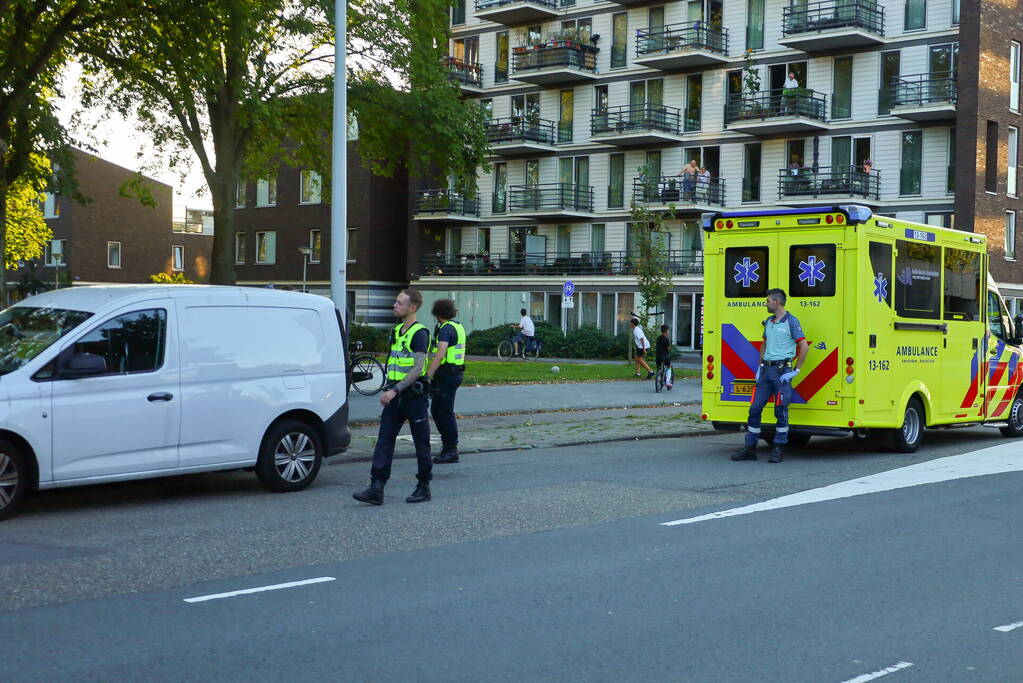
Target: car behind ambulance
{"type": "Point", "coordinates": [905, 328]}
{"type": "Point", "coordinates": [101, 384]}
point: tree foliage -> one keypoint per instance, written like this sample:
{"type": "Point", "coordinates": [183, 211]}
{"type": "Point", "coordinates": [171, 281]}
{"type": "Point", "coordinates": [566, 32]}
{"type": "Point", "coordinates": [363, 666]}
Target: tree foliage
{"type": "Point", "coordinates": [651, 260]}
{"type": "Point", "coordinates": [25, 229]}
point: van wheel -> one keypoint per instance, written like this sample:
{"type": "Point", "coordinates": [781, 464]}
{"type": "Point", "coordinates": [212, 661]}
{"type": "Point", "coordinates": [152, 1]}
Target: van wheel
{"type": "Point", "coordinates": [290, 456]}
{"type": "Point", "coordinates": [1014, 427]}
{"type": "Point", "coordinates": [13, 477]}
{"type": "Point", "coordinates": [907, 438]}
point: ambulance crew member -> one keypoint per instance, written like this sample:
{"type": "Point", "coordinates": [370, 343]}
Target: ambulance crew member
{"type": "Point", "coordinates": [783, 342]}
{"type": "Point", "coordinates": [404, 399]}
{"type": "Point", "coordinates": [445, 370]}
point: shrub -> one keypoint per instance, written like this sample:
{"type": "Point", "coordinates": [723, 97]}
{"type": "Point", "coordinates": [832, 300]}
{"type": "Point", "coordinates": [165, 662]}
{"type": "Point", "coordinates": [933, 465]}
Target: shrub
{"type": "Point", "coordinates": [589, 342]}
{"type": "Point", "coordinates": [166, 279]}
{"type": "Point", "coordinates": [585, 342]}
{"type": "Point", "coordinates": [372, 338]}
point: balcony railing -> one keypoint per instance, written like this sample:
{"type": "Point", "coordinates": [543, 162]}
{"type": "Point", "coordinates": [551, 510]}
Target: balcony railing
{"type": "Point", "coordinates": [696, 35]}
{"type": "Point", "coordinates": [832, 14]}
{"type": "Point", "coordinates": [446, 203]}
{"type": "Point", "coordinates": [921, 90]}
{"type": "Point", "coordinates": [828, 180]}
{"type": "Point", "coordinates": [466, 73]}
{"type": "Point", "coordinates": [494, 4]}
{"type": "Point", "coordinates": [521, 129]}
{"type": "Point", "coordinates": [678, 190]}
{"type": "Point", "coordinates": [776, 103]}
{"type": "Point", "coordinates": [679, 262]}
{"type": "Point", "coordinates": [545, 197]}
{"type": "Point", "coordinates": [559, 53]}
{"type": "Point", "coordinates": [635, 117]}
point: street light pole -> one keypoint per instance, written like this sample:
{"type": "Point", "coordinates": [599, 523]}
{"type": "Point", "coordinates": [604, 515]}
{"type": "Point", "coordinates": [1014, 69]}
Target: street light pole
{"type": "Point", "coordinates": [339, 165]}
{"type": "Point", "coordinates": [306, 253]}
{"type": "Point", "coordinates": [57, 258]}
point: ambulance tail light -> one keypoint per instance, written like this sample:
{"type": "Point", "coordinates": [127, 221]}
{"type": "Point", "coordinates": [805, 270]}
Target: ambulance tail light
{"type": "Point", "coordinates": [840, 219]}
{"type": "Point", "coordinates": [829, 219]}
{"type": "Point", "coordinates": [849, 369]}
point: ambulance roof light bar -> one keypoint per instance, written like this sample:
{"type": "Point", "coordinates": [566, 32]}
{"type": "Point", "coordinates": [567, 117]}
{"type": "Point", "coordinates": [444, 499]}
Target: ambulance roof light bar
{"type": "Point", "coordinates": [854, 214]}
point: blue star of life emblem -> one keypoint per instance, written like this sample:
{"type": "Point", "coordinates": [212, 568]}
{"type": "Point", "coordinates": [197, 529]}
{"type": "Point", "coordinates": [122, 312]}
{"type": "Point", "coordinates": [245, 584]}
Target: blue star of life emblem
{"type": "Point", "coordinates": [811, 271]}
{"type": "Point", "coordinates": [880, 287]}
{"type": "Point", "coordinates": [746, 272]}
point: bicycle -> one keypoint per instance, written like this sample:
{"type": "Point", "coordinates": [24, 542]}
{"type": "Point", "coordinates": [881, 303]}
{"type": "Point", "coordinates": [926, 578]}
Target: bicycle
{"type": "Point", "coordinates": [367, 372]}
{"type": "Point", "coordinates": [531, 348]}
{"type": "Point", "coordinates": [661, 378]}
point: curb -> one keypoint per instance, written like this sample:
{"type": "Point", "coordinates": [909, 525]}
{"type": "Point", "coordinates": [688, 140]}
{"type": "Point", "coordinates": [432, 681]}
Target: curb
{"type": "Point", "coordinates": [503, 413]}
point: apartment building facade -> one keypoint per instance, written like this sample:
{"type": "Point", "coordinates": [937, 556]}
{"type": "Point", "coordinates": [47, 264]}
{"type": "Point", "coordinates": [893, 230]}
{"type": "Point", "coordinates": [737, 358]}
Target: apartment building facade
{"type": "Point", "coordinates": [908, 106]}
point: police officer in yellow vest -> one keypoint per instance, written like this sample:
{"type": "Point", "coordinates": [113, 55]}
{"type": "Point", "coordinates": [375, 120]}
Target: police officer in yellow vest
{"type": "Point", "coordinates": [405, 398]}
{"type": "Point", "coordinates": [445, 371]}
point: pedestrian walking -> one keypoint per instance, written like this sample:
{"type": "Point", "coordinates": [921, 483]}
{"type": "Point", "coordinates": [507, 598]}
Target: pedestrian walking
{"type": "Point", "coordinates": [405, 398]}
{"type": "Point", "coordinates": [445, 372]}
{"type": "Point", "coordinates": [781, 356]}
{"type": "Point", "coordinates": [642, 344]}
{"type": "Point", "coordinates": [664, 355]}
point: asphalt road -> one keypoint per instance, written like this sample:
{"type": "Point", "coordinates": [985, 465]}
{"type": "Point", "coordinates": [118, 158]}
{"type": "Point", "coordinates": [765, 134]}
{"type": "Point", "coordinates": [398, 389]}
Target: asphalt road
{"type": "Point", "coordinates": [529, 565]}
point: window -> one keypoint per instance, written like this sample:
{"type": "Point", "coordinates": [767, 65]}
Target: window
{"type": "Point", "coordinates": [483, 240]}
{"type": "Point", "coordinates": [939, 219]}
{"type": "Point", "coordinates": [536, 301]}
{"type": "Point", "coordinates": [454, 242]}
{"type": "Point", "coordinates": [694, 102]}
{"type": "Point", "coordinates": [745, 272]}
{"type": "Point", "coordinates": [458, 12]}
{"type": "Point", "coordinates": [995, 313]}
{"type": "Point", "coordinates": [991, 158]}
{"type": "Point", "coordinates": [962, 285]}
{"type": "Point", "coordinates": [130, 343]}
{"type": "Point", "coordinates": [916, 14]}
{"type": "Point", "coordinates": [500, 199]}
{"type": "Point", "coordinates": [841, 101]}
{"type": "Point", "coordinates": [812, 270]}
{"type": "Point", "coordinates": [239, 247]}
{"type": "Point", "coordinates": [619, 39]}
{"type": "Point", "coordinates": [54, 252]}
{"type": "Point", "coordinates": [564, 241]}
{"type": "Point", "coordinates": [755, 25]}
{"type": "Point", "coordinates": [488, 109]}
{"type": "Point", "coordinates": [266, 191]}
{"type": "Point", "coordinates": [501, 65]}
{"type": "Point", "coordinates": [1014, 77]}
{"type": "Point", "coordinates": [1010, 235]}
{"type": "Point", "coordinates": [178, 253]}
{"type": "Point", "coordinates": [566, 117]}
{"type": "Point", "coordinates": [310, 188]}
{"type": "Point", "coordinates": [917, 280]}
{"type": "Point", "coordinates": [955, 12]}
{"type": "Point", "coordinates": [51, 206]}
{"type": "Point", "coordinates": [751, 173]}
{"type": "Point", "coordinates": [1013, 156]}
{"type": "Point", "coordinates": [266, 247]}
{"type": "Point", "coordinates": [597, 231]}
{"type": "Point", "coordinates": [239, 196]}
{"type": "Point", "coordinates": [314, 244]}
{"type": "Point", "coordinates": [912, 151]}
{"type": "Point", "coordinates": [352, 253]}
{"type": "Point", "coordinates": [113, 254]}
{"type": "Point", "coordinates": [950, 171]}
{"type": "Point", "coordinates": [891, 65]}
{"type": "Point", "coordinates": [881, 269]}
{"type": "Point", "coordinates": [616, 187]}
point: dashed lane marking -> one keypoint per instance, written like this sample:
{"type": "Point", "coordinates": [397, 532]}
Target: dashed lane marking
{"type": "Point", "coordinates": [1009, 627]}
{"type": "Point", "coordinates": [878, 674]}
{"type": "Point", "coordinates": [260, 589]}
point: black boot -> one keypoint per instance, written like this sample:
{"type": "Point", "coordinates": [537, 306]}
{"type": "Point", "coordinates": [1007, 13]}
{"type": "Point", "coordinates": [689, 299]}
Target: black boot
{"type": "Point", "coordinates": [446, 457]}
{"type": "Point", "coordinates": [747, 453]}
{"type": "Point", "coordinates": [374, 495]}
{"type": "Point", "coordinates": [421, 494]}
{"type": "Point", "coordinates": [775, 454]}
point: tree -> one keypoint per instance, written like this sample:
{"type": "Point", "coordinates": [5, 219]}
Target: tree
{"type": "Point", "coordinates": [651, 257]}
{"type": "Point", "coordinates": [25, 230]}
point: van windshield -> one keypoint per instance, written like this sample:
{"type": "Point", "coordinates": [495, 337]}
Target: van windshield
{"type": "Point", "coordinates": [25, 332]}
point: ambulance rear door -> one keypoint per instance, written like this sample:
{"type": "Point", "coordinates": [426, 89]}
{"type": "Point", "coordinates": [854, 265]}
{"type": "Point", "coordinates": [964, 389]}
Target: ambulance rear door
{"type": "Point", "coordinates": [962, 382]}
{"type": "Point", "coordinates": [877, 333]}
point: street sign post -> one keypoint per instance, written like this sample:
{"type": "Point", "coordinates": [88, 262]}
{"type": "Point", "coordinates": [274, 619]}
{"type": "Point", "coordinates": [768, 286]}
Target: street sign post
{"type": "Point", "coordinates": [567, 290]}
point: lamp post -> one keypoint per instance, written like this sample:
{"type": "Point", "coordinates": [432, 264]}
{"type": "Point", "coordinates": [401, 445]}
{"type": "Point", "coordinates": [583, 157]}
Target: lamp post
{"type": "Point", "coordinates": [306, 253]}
{"type": "Point", "coordinates": [57, 259]}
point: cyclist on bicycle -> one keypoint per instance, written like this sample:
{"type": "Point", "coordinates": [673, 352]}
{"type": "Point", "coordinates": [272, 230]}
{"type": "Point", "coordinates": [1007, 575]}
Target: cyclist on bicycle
{"type": "Point", "coordinates": [664, 355]}
{"type": "Point", "coordinates": [527, 332]}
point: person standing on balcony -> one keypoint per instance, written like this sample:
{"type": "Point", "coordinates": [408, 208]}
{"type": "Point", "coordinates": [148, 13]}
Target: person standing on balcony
{"type": "Point", "coordinates": [446, 370]}
{"type": "Point", "coordinates": [642, 344]}
{"type": "Point", "coordinates": [789, 98]}
{"type": "Point", "coordinates": [703, 184]}
{"type": "Point", "coordinates": [689, 174]}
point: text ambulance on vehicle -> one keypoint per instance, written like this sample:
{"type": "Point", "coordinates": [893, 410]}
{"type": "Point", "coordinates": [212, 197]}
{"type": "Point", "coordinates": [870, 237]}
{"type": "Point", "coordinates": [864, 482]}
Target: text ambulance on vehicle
{"type": "Point", "coordinates": [906, 329]}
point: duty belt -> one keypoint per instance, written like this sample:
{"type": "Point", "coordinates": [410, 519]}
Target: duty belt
{"type": "Point", "coordinates": [776, 363]}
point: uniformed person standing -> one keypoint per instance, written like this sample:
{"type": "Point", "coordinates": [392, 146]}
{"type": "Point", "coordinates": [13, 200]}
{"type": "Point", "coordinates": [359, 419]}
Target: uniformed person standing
{"type": "Point", "coordinates": [445, 371]}
{"type": "Point", "coordinates": [781, 356]}
{"type": "Point", "coordinates": [406, 398]}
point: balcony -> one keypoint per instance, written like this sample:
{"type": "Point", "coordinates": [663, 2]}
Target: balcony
{"type": "Point", "coordinates": [784, 110]}
{"type": "Point", "coordinates": [680, 46]}
{"type": "Point", "coordinates": [674, 192]}
{"type": "Point", "coordinates": [832, 25]}
{"type": "Point", "coordinates": [446, 206]}
{"type": "Point", "coordinates": [551, 201]}
{"type": "Point", "coordinates": [678, 262]}
{"type": "Point", "coordinates": [636, 124]}
{"type": "Point", "coordinates": [521, 136]}
{"type": "Point", "coordinates": [924, 97]}
{"type": "Point", "coordinates": [468, 75]}
{"type": "Point", "coordinates": [799, 186]}
{"type": "Point", "coordinates": [555, 62]}
{"type": "Point", "coordinates": [512, 12]}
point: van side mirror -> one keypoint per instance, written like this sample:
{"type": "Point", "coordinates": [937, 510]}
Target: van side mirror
{"type": "Point", "coordinates": [83, 365]}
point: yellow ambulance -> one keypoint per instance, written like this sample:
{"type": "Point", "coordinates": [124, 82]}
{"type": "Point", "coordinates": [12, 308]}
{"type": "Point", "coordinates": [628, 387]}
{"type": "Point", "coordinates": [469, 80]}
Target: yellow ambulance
{"type": "Point", "coordinates": [906, 330]}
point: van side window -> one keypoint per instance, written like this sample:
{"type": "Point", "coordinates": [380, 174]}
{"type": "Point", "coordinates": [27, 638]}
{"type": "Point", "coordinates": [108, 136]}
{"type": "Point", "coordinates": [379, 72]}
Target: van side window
{"type": "Point", "coordinates": [881, 268]}
{"type": "Point", "coordinates": [745, 272]}
{"type": "Point", "coordinates": [812, 270]}
{"type": "Point", "coordinates": [130, 343]}
{"type": "Point", "coordinates": [962, 285]}
{"type": "Point", "coordinates": [917, 280]}
{"type": "Point", "coordinates": [994, 316]}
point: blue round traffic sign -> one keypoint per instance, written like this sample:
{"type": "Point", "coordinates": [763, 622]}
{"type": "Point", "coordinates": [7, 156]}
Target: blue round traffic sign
{"type": "Point", "coordinates": [568, 289]}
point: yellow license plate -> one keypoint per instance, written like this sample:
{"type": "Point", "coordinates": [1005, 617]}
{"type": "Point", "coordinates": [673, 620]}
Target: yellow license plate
{"type": "Point", "coordinates": [743, 387]}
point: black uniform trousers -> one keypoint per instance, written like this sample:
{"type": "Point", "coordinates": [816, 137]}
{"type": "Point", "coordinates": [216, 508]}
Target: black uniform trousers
{"type": "Point", "coordinates": [415, 410]}
{"type": "Point", "coordinates": [445, 384]}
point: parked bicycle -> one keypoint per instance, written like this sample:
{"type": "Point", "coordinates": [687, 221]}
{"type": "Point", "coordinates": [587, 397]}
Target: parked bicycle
{"type": "Point", "coordinates": [530, 348]}
{"type": "Point", "coordinates": [367, 373]}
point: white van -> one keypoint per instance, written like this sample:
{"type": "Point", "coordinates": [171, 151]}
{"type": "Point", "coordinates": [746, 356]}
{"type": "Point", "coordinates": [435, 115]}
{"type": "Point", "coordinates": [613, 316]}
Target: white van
{"type": "Point", "coordinates": [101, 384]}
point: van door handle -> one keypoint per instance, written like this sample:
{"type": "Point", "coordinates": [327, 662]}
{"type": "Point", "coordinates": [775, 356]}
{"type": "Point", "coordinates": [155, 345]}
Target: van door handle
{"type": "Point", "coordinates": [161, 396]}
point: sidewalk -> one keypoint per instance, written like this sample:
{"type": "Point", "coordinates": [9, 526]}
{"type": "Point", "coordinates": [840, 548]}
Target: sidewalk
{"type": "Point", "coordinates": [686, 359]}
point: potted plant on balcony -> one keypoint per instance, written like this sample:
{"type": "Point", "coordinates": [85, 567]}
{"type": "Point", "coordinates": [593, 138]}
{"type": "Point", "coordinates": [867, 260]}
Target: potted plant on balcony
{"type": "Point", "coordinates": [749, 106]}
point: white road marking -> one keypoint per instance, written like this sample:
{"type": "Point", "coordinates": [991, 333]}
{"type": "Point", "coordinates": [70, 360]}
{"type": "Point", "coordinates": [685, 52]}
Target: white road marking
{"type": "Point", "coordinates": [260, 589]}
{"type": "Point", "coordinates": [1007, 457]}
{"type": "Point", "coordinates": [883, 672]}
{"type": "Point", "coordinates": [1009, 627]}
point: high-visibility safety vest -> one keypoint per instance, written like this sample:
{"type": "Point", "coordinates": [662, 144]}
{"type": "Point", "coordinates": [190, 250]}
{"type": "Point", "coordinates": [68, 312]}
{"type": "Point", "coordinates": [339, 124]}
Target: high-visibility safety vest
{"type": "Point", "coordinates": [455, 354]}
{"type": "Point", "coordinates": [402, 359]}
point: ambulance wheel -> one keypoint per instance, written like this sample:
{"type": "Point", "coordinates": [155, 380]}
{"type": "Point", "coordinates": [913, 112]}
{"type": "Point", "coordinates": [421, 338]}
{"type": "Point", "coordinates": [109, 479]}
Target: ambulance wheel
{"type": "Point", "coordinates": [1014, 427]}
{"type": "Point", "coordinates": [907, 438]}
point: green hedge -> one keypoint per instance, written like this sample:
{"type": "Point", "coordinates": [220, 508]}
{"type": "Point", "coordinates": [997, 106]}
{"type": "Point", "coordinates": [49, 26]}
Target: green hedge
{"type": "Point", "coordinates": [372, 339]}
{"type": "Point", "coordinates": [584, 342]}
